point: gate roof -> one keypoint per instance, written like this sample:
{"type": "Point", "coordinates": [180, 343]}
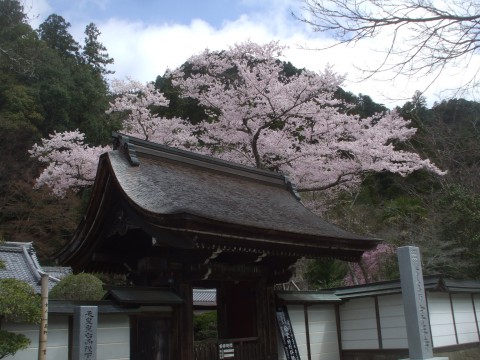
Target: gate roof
{"type": "Point", "coordinates": [186, 200]}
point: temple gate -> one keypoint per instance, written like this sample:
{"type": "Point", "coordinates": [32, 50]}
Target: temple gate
{"type": "Point", "coordinates": [171, 220]}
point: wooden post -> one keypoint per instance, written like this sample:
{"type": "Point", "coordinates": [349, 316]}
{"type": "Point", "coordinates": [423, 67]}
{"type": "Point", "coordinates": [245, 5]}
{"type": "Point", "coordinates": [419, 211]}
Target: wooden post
{"type": "Point", "coordinates": [42, 334]}
{"type": "Point", "coordinates": [185, 323]}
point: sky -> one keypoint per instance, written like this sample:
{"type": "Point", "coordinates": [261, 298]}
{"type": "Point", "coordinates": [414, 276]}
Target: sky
{"type": "Point", "coordinates": [147, 37]}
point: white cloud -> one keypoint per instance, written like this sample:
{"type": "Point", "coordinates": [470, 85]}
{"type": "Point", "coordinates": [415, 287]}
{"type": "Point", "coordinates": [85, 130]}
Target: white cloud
{"type": "Point", "coordinates": [37, 11]}
{"type": "Point", "coordinates": [143, 51]}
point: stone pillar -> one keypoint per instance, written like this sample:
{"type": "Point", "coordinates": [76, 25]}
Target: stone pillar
{"type": "Point", "coordinates": [85, 319]}
{"type": "Point", "coordinates": [415, 304]}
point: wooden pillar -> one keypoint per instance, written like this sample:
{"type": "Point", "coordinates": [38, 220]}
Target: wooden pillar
{"type": "Point", "coordinates": [184, 324]}
{"type": "Point", "coordinates": [262, 324]}
{"type": "Point", "coordinates": [266, 322]}
{"type": "Point", "coordinates": [221, 312]}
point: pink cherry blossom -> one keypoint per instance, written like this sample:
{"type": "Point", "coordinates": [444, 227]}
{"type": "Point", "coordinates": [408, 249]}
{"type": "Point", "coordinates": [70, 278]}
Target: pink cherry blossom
{"type": "Point", "coordinates": [257, 116]}
{"type": "Point", "coordinates": [136, 100]}
{"type": "Point", "coordinates": [71, 164]}
{"type": "Point", "coordinates": [372, 266]}
{"type": "Point", "coordinates": [261, 117]}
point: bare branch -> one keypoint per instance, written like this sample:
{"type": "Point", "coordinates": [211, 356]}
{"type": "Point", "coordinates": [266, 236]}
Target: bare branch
{"type": "Point", "coordinates": [424, 35]}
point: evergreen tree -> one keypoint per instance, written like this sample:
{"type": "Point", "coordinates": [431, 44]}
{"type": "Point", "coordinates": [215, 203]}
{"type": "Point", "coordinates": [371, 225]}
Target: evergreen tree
{"type": "Point", "coordinates": [94, 52]}
{"type": "Point", "coordinates": [18, 43]}
{"type": "Point", "coordinates": [54, 31]}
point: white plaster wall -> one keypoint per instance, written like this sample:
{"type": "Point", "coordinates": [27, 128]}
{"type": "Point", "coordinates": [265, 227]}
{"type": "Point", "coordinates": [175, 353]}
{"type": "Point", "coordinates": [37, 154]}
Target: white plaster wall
{"type": "Point", "coordinates": [57, 345]}
{"type": "Point", "coordinates": [476, 300]}
{"type": "Point", "coordinates": [392, 322]}
{"type": "Point", "coordinates": [323, 332]}
{"type": "Point", "coordinates": [297, 318]}
{"type": "Point", "coordinates": [441, 319]}
{"type": "Point", "coordinates": [358, 324]}
{"type": "Point", "coordinates": [464, 318]}
{"type": "Point", "coordinates": [113, 337]}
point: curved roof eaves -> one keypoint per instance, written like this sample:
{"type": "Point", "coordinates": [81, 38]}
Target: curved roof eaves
{"type": "Point", "coordinates": [163, 186]}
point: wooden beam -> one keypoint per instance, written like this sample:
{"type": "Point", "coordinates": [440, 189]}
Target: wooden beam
{"type": "Point", "coordinates": [307, 331]}
{"type": "Point", "coordinates": [379, 325]}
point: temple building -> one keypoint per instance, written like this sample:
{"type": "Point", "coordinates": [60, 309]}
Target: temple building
{"type": "Point", "coordinates": [172, 221]}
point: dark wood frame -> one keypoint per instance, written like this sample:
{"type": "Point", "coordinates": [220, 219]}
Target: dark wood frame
{"type": "Point", "coordinates": [134, 333]}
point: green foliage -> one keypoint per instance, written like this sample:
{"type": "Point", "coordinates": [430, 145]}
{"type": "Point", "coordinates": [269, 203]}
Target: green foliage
{"type": "Point", "coordinates": [95, 53]}
{"type": "Point", "coordinates": [461, 224]}
{"type": "Point", "coordinates": [402, 207]}
{"type": "Point", "coordinates": [205, 326]}
{"type": "Point", "coordinates": [54, 31]}
{"type": "Point", "coordinates": [46, 85]}
{"type": "Point", "coordinates": [18, 302]}
{"type": "Point", "coordinates": [363, 105]}
{"type": "Point", "coordinates": [82, 286]}
{"type": "Point", "coordinates": [326, 273]}
{"type": "Point", "coordinates": [181, 107]}
{"type": "Point", "coordinates": [10, 343]}
{"type": "Point", "coordinates": [11, 13]}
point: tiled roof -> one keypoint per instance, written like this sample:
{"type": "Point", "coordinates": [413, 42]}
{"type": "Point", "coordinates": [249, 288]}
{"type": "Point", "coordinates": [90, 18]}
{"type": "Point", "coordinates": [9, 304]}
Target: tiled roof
{"type": "Point", "coordinates": [308, 296]}
{"type": "Point", "coordinates": [204, 297]}
{"type": "Point", "coordinates": [58, 272]}
{"type": "Point", "coordinates": [21, 263]}
{"type": "Point", "coordinates": [431, 283]}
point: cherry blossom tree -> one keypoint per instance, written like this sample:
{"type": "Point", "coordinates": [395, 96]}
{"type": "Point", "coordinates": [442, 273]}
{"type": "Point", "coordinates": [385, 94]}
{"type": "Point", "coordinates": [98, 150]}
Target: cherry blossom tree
{"type": "Point", "coordinates": [262, 117]}
{"type": "Point", "coordinates": [373, 266]}
{"type": "Point", "coordinates": [258, 115]}
{"type": "Point", "coordinates": [71, 164]}
{"type": "Point", "coordinates": [137, 101]}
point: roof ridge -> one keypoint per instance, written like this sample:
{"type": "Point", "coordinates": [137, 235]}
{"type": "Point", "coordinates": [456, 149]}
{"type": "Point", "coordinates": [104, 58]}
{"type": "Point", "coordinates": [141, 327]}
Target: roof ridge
{"type": "Point", "coordinates": [132, 145]}
{"type": "Point", "coordinates": [32, 264]}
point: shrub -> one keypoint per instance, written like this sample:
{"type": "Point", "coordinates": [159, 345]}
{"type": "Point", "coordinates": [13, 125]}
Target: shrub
{"type": "Point", "coordinates": [18, 303]}
{"type": "Point", "coordinates": [205, 326]}
{"type": "Point", "coordinates": [83, 286]}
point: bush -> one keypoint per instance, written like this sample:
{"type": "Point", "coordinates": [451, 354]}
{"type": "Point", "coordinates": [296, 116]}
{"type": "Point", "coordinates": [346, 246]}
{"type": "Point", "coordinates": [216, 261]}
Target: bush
{"type": "Point", "coordinates": [10, 343]}
{"type": "Point", "coordinates": [205, 326]}
{"type": "Point", "coordinates": [83, 286]}
{"type": "Point", "coordinates": [18, 303]}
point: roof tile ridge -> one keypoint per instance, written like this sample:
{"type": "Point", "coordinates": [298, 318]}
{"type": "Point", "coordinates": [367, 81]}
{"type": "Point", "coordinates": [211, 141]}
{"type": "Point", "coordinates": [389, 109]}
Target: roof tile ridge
{"type": "Point", "coordinates": [131, 146]}
{"type": "Point", "coordinates": [32, 264]}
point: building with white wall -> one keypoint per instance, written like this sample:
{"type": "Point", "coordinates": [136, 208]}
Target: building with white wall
{"type": "Point", "coordinates": [369, 322]}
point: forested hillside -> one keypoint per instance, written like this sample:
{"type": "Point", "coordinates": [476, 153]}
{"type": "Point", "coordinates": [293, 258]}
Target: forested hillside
{"type": "Point", "coordinates": [51, 83]}
{"type": "Point", "coordinates": [48, 82]}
